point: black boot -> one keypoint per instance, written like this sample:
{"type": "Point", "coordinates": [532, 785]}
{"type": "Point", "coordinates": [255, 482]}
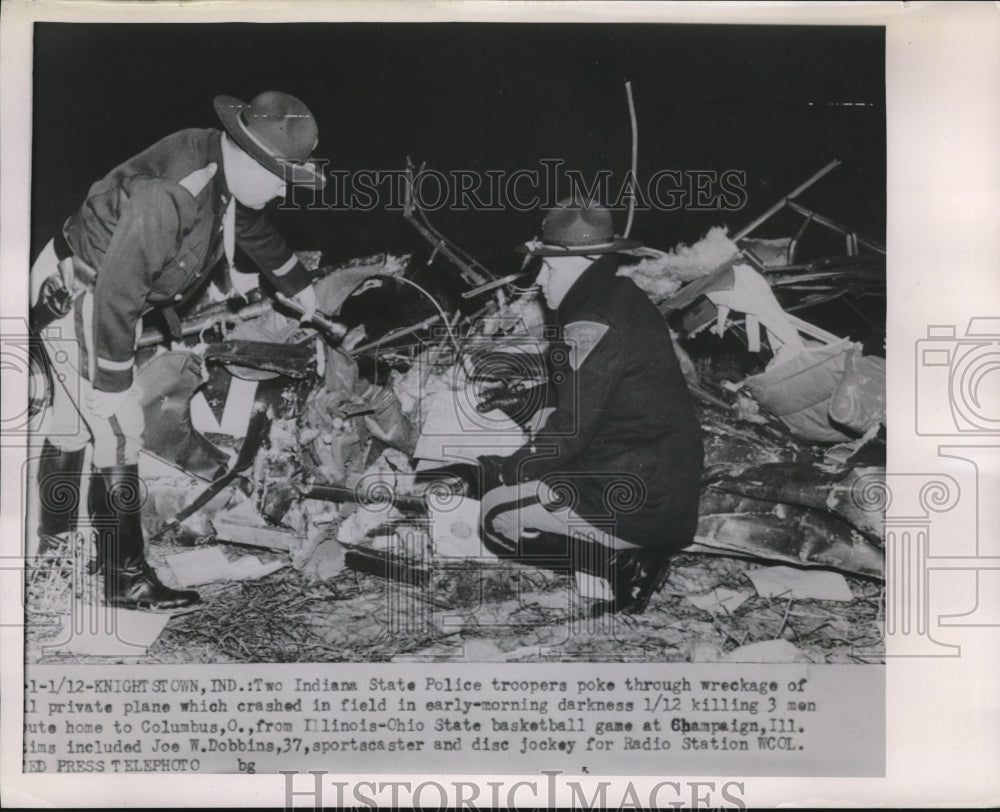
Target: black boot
{"type": "Point", "coordinates": [115, 501]}
{"type": "Point", "coordinates": [635, 575]}
{"type": "Point", "coordinates": [539, 548]}
{"type": "Point", "coordinates": [59, 478]}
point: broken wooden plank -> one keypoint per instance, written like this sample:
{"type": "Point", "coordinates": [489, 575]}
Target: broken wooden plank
{"type": "Point", "coordinates": [270, 538]}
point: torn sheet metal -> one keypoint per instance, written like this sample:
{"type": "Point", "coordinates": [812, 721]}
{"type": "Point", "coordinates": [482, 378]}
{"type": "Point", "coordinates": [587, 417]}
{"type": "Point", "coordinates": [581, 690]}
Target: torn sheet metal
{"type": "Point", "coordinates": [841, 492]}
{"type": "Point", "coordinates": [789, 533]}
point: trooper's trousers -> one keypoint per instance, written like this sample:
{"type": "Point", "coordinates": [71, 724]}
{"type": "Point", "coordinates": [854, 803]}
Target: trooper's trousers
{"type": "Point", "coordinates": [69, 343]}
{"type": "Point", "coordinates": [510, 513]}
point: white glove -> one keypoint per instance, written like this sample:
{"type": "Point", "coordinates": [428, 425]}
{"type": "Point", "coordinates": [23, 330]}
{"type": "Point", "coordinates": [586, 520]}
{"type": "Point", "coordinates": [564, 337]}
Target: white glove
{"type": "Point", "coordinates": [68, 275]}
{"type": "Point", "coordinates": [306, 299]}
{"type": "Point", "coordinates": [354, 337]}
{"type": "Point", "coordinates": [105, 404]}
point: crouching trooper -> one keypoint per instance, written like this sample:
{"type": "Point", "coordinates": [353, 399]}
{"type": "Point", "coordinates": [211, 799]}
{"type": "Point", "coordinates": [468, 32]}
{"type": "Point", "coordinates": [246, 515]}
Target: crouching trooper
{"type": "Point", "coordinates": [146, 238]}
{"type": "Point", "coordinates": [613, 473]}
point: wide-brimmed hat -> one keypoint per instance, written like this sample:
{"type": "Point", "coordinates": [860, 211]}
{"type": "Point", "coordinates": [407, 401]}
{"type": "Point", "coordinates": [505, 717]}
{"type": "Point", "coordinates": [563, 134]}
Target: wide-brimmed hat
{"type": "Point", "coordinates": [577, 227]}
{"type": "Point", "coordinates": [278, 131]}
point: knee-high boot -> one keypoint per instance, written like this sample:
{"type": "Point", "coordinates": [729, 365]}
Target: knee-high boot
{"type": "Point", "coordinates": [115, 502]}
{"type": "Point", "coordinates": [59, 481]}
{"type": "Point", "coordinates": [635, 575]}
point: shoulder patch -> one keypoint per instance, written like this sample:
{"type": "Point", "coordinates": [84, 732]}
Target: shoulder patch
{"type": "Point", "coordinates": [199, 179]}
{"type": "Point", "coordinates": [582, 337]}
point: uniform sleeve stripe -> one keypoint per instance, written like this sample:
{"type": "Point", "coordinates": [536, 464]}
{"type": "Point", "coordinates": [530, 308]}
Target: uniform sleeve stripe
{"type": "Point", "coordinates": [114, 366]}
{"type": "Point", "coordinates": [287, 266]}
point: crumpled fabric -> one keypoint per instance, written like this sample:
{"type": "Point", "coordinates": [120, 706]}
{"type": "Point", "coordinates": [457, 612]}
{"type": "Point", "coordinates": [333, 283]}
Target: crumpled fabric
{"type": "Point", "coordinates": [752, 296]}
{"type": "Point", "coordinates": [388, 423]}
{"type": "Point", "coordinates": [341, 418]}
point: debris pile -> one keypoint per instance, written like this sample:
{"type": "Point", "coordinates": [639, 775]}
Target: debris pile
{"type": "Point", "coordinates": [283, 471]}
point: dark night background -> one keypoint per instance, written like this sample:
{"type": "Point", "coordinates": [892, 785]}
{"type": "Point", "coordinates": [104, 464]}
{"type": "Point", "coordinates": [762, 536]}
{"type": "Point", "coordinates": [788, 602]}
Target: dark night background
{"type": "Point", "coordinates": [765, 99]}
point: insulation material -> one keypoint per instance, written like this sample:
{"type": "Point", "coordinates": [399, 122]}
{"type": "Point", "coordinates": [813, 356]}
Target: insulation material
{"type": "Point", "coordinates": [660, 274]}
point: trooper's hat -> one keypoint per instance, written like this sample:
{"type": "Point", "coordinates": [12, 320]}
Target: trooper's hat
{"type": "Point", "coordinates": [577, 227]}
{"type": "Point", "coordinates": [278, 131]}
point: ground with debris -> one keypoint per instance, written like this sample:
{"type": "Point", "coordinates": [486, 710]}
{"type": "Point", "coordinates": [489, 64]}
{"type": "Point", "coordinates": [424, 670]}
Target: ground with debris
{"type": "Point", "coordinates": [517, 614]}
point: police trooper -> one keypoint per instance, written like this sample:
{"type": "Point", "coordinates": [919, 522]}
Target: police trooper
{"type": "Point", "coordinates": [145, 238]}
{"type": "Point", "coordinates": [615, 468]}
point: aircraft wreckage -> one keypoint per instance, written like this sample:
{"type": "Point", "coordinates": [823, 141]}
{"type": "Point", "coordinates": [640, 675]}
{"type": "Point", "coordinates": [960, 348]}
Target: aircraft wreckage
{"type": "Point", "coordinates": [261, 432]}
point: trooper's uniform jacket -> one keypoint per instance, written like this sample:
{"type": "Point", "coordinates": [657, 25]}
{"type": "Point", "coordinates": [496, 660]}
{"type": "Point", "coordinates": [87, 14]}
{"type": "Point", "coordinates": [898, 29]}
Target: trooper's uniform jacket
{"type": "Point", "coordinates": [153, 229]}
{"type": "Point", "coordinates": [623, 445]}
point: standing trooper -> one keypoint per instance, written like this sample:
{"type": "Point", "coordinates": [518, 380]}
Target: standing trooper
{"type": "Point", "coordinates": [146, 238]}
{"type": "Point", "coordinates": [615, 468]}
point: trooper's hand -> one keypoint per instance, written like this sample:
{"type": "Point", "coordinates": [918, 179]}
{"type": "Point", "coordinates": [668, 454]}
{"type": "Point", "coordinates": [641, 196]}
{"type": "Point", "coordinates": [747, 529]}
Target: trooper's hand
{"type": "Point", "coordinates": [105, 404]}
{"type": "Point", "coordinates": [461, 478]}
{"type": "Point", "coordinates": [519, 404]}
{"type": "Point", "coordinates": [505, 399]}
{"type": "Point", "coordinates": [491, 467]}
